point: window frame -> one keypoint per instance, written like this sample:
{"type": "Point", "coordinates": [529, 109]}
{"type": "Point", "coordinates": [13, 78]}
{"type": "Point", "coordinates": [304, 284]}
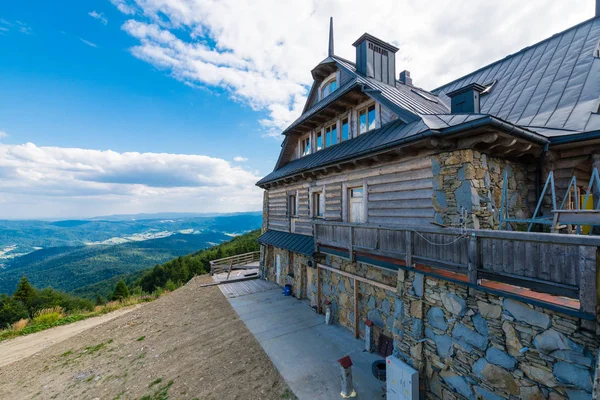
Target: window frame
{"type": "Point", "coordinates": [327, 85]}
{"type": "Point", "coordinates": [317, 205]}
{"type": "Point", "coordinates": [292, 200]}
{"type": "Point", "coordinates": [332, 128]}
{"type": "Point", "coordinates": [303, 147]}
{"type": "Point", "coordinates": [347, 119]}
{"type": "Point", "coordinates": [366, 110]}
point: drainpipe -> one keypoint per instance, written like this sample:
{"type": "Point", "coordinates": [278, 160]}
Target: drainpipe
{"type": "Point", "coordinates": [538, 174]}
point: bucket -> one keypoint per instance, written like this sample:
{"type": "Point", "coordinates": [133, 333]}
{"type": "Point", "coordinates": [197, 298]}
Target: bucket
{"type": "Point", "coordinates": [287, 290]}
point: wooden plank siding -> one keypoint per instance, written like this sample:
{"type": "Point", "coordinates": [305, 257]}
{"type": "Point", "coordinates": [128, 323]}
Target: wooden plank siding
{"type": "Point", "coordinates": [397, 193]}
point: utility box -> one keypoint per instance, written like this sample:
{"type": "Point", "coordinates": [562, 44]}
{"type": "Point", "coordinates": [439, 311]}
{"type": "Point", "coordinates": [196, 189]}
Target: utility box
{"type": "Point", "coordinates": [402, 381]}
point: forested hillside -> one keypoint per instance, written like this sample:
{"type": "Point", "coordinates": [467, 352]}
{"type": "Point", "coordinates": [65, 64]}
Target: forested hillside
{"type": "Point", "coordinates": [177, 271]}
{"type": "Point", "coordinates": [70, 268]}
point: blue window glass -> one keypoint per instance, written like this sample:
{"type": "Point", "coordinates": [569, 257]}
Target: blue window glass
{"type": "Point", "coordinates": [371, 118]}
{"type": "Point", "coordinates": [328, 88]}
{"type": "Point", "coordinates": [334, 134]}
{"type": "Point", "coordinates": [345, 130]}
{"type": "Point", "coordinates": [362, 121]}
{"type": "Point", "coordinates": [319, 141]}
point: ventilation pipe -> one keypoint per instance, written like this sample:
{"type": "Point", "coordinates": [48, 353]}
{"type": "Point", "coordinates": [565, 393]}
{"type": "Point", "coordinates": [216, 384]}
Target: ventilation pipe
{"type": "Point", "coordinates": [466, 99]}
{"type": "Point", "coordinates": [405, 77]}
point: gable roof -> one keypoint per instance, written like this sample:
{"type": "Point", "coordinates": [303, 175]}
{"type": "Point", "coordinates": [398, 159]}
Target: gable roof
{"type": "Point", "coordinates": [553, 85]}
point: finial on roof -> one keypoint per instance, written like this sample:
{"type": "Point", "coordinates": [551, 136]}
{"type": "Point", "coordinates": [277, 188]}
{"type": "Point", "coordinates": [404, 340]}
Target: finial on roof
{"type": "Point", "coordinates": [330, 53]}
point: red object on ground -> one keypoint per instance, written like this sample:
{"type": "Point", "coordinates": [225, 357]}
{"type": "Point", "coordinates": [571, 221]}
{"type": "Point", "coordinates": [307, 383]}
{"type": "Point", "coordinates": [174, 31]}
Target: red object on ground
{"type": "Point", "coordinates": [345, 362]}
{"type": "Point", "coordinates": [369, 322]}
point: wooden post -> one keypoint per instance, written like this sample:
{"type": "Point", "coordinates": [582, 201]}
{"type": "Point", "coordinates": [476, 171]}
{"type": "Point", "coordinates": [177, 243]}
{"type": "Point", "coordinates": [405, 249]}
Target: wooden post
{"type": "Point", "coordinates": [230, 268]}
{"type": "Point", "coordinates": [315, 230]}
{"type": "Point", "coordinates": [351, 244]}
{"type": "Point", "coordinates": [588, 293]}
{"type": "Point", "coordinates": [409, 249]}
{"type": "Point", "coordinates": [356, 308]}
{"type": "Point", "coordinates": [318, 290]}
{"type": "Point", "coordinates": [474, 259]}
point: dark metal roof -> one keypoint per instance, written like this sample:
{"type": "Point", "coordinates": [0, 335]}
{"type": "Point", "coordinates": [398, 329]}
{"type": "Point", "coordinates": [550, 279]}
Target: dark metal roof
{"type": "Point", "coordinates": [301, 244]}
{"type": "Point", "coordinates": [552, 87]}
{"type": "Point", "coordinates": [393, 134]}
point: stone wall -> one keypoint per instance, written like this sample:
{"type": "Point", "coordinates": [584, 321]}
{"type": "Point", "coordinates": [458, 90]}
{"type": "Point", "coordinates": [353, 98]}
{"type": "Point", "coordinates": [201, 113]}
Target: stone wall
{"type": "Point", "coordinates": [464, 345]}
{"type": "Point", "coordinates": [490, 347]}
{"type": "Point", "coordinates": [470, 180]}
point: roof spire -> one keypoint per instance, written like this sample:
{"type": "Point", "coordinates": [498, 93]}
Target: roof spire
{"type": "Point", "coordinates": [330, 53]}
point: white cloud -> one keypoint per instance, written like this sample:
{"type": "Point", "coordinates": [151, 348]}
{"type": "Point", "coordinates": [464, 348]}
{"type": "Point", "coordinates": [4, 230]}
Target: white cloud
{"type": "Point", "coordinates": [236, 159]}
{"type": "Point", "coordinates": [19, 26]}
{"type": "Point", "coordinates": [99, 16]}
{"type": "Point", "coordinates": [123, 6]}
{"type": "Point", "coordinates": [88, 42]}
{"type": "Point", "coordinates": [3, 134]}
{"type": "Point", "coordinates": [262, 51]}
{"type": "Point", "coordinates": [62, 182]}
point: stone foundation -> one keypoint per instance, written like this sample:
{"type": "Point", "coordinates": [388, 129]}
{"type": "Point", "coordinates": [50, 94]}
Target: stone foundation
{"type": "Point", "coordinates": [464, 345]}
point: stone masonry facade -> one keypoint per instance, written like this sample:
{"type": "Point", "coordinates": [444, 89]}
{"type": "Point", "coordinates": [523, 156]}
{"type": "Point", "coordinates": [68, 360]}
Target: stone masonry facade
{"type": "Point", "coordinates": [464, 345]}
{"type": "Point", "coordinates": [473, 181]}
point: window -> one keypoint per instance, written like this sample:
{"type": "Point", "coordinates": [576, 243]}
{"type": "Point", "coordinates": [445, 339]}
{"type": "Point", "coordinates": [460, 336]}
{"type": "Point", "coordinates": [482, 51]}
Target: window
{"type": "Point", "coordinates": [305, 146]}
{"type": "Point", "coordinates": [345, 129]}
{"type": "Point", "coordinates": [356, 205]}
{"type": "Point", "coordinates": [366, 119]}
{"type": "Point", "coordinates": [318, 205]}
{"type": "Point", "coordinates": [319, 141]}
{"type": "Point", "coordinates": [292, 211]}
{"type": "Point", "coordinates": [331, 135]}
{"type": "Point", "coordinates": [328, 88]}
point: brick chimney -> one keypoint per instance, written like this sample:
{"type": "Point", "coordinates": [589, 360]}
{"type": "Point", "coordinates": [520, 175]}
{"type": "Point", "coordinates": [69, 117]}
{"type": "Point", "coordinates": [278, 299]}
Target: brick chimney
{"type": "Point", "coordinates": [405, 77]}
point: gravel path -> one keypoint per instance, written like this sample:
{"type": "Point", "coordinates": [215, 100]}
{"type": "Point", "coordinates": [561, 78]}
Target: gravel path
{"type": "Point", "coordinates": [186, 345]}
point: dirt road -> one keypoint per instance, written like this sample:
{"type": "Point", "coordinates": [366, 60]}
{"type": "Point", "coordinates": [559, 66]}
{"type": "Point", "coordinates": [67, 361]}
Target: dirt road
{"type": "Point", "coordinates": [186, 345]}
{"type": "Point", "coordinates": [22, 347]}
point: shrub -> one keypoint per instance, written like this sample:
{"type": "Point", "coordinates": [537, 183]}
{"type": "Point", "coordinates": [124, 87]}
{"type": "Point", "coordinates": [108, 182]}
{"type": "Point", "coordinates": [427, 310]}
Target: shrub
{"type": "Point", "coordinates": [112, 306]}
{"type": "Point", "coordinates": [20, 324]}
{"type": "Point", "coordinates": [48, 315]}
{"type": "Point", "coordinates": [121, 291]}
{"type": "Point", "coordinates": [11, 310]}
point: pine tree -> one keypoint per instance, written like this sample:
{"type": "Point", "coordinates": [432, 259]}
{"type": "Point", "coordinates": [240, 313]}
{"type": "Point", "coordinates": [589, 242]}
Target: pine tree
{"type": "Point", "coordinates": [25, 292]}
{"type": "Point", "coordinates": [121, 291]}
{"type": "Point", "coordinates": [99, 299]}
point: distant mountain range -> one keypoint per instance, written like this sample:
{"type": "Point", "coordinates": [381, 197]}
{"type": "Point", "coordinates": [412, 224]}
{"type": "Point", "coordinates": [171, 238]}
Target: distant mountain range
{"type": "Point", "coordinates": [70, 254]}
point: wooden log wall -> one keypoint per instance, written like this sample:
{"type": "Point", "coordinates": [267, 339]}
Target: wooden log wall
{"type": "Point", "coordinates": [398, 193]}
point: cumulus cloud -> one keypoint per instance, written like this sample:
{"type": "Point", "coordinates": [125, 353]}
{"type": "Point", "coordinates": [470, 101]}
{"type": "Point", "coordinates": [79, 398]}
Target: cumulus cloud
{"type": "Point", "coordinates": [99, 16]}
{"type": "Point", "coordinates": [40, 181]}
{"type": "Point", "coordinates": [262, 51]}
{"type": "Point", "coordinates": [236, 159]}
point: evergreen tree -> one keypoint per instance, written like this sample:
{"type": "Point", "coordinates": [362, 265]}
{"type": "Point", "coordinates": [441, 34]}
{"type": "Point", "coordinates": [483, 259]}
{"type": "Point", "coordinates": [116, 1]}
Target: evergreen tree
{"type": "Point", "coordinates": [121, 291]}
{"type": "Point", "coordinates": [99, 299]}
{"type": "Point", "coordinates": [25, 292]}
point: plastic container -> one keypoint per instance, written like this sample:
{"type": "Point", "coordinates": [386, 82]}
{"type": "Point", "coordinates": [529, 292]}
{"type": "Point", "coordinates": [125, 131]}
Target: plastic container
{"type": "Point", "coordinates": [287, 290]}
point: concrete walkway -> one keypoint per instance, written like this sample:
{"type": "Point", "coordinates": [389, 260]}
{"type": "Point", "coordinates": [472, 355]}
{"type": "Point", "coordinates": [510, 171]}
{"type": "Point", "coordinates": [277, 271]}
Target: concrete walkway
{"type": "Point", "coordinates": [303, 348]}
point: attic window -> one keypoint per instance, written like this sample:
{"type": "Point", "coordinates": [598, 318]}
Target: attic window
{"type": "Point", "coordinates": [423, 95]}
{"type": "Point", "coordinates": [328, 88]}
{"type": "Point", "coordinates": [488, 87]}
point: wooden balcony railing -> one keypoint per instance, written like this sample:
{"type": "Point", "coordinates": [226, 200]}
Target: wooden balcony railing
{"type": "Point", "coordinates": [557, 264]}
{"type": "Point", "coordinates": [228, 263]}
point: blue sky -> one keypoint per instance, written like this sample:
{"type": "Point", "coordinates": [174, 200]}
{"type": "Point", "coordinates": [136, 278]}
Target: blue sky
{"type": "Point", "coordinates": [125, 106]}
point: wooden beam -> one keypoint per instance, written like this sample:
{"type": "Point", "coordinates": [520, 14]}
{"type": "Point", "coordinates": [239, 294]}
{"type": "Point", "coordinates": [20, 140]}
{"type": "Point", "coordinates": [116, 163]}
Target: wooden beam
{"type": "Point", "coordinates": [356, 309]}
{"type": "Point", "coordinates": [471, 141]}
{"type": "Point", "coordinates": [507, 142]}
{"type": "Point", "coordinates": [318, 290]}
{"type": "Point", "coordinates": [358, 278]}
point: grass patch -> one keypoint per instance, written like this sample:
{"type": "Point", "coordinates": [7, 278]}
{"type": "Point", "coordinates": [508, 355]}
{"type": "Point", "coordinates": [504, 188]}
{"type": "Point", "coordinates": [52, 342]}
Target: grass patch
{"type": "Point", "coordinates": [98, 347]}
{"type": "Point", "coordinates": [288, 394]}
{"type": "Point", "coordinates": [161, 394]}
{"type": "Point", "coordinates": [141, 338]}
{"type": "Point", "coordinates": [67, 353]}
{"type": "Point", "coordinates": [155, 382]}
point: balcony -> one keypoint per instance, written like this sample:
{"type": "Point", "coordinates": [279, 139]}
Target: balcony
{"type": "Point", "coordinates": [555, 271]}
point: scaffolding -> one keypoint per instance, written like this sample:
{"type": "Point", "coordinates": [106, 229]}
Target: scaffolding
{"type": "Point", "coordinates": [577, 214]}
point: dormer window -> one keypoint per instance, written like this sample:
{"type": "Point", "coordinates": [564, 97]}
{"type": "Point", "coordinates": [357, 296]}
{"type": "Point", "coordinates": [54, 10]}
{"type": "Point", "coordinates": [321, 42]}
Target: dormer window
{"type": "Point", "coordinates": [328, 88]}
{"type": "Point", "coordinates": [305, 146]}
{"type": "Point", "coordinates": [366, 119]}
